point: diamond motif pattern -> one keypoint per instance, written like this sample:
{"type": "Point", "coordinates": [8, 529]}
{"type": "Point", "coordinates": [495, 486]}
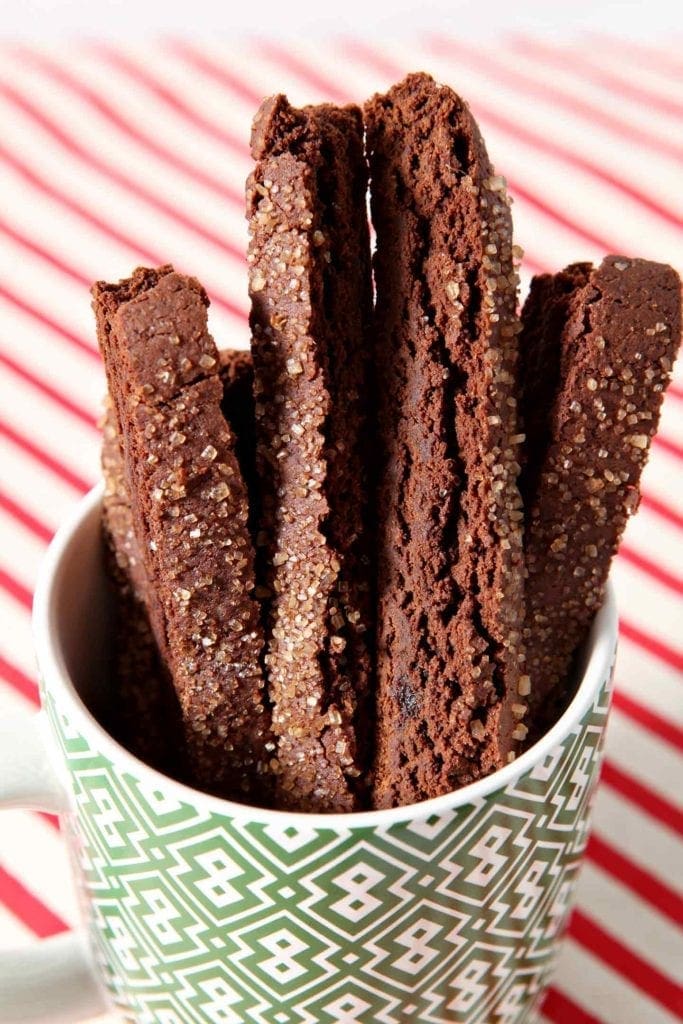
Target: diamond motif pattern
{"type": "Point", "coordinates": [199, 918]}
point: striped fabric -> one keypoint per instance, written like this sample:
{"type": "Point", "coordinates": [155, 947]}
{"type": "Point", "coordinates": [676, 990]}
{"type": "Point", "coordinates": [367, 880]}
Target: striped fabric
{"type": "Point", "coordinates": [112, 157]}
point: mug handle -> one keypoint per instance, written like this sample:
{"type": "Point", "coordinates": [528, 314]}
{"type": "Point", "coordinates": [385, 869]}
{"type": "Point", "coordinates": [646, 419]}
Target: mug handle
{"type": "Point", "coordinates": [55, 980]}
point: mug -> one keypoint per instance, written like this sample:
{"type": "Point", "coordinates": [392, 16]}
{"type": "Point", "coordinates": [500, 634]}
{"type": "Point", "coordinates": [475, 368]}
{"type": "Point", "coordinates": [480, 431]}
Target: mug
{"type": "Point", "coordinates": [198, 910]}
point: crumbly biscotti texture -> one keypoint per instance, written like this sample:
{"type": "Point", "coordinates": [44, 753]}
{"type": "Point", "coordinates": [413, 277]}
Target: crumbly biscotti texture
{"type": "Point", "coordinates": [597, 348]}
{"type": "Point", "coordinates": [144, 714]}
{"type": "Point", "coordinates": [450, 569]}
{"type": "Point", "coordinates": [189, 509]}
{"type": "Point", "coordinates": [310, 286]}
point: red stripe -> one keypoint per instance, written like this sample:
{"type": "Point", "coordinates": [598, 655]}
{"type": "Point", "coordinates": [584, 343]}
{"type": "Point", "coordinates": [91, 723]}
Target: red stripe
{"type": "Point", "coordinates": [58, 397]}
{"type": "Point", "coordinates": [650, 889]}
{"type": "Point", "coordinates": [141, 76]}
{"type": "Point", "coordinates": [27, 908]}
{"type": "Point", "coordinates": [643, 797]}
{"type": "Point", "coordinates": [661, 509]}
{"type": "Point", "coordinates": [547, 92]}
{"type": "Point", "coordinates": [576, 62]}
{"type": "Point", "coordinates": [73, 339]}
{"type": "Point", "coordinates": [67, 475]}
{"type": "Point", "coordinates": [675, 390]}
{"type": "Point", "coordinates": [15, 589]}
{"type": "Point", "coordinates": [113, 116]}
{"type": "Point", "coordinates": [51, 819]}
{"type": "Point", "coordinates": [36, 527]}
{"type": "Point", "coordinates": [289, 62]}
{"type": "Point", "coordinates": [200, 61]}
{"type": "Point", "coordinates": [657, 648]}
{"type": "Point", "coordinates": [668, 445]}
{"type": "Point", "coordinates": [90, 159]}
{"type": "Point", "coordinates": [652, 569]}
{"type": "Point", "coordinates": [620, 958]}
{"type": "Point", "coordinates": [19, 681]}
{"type": "Point", "coordinates": [37, 250]}
{"type": "Point", "coordinates": [599, 241]}
{"type": "Point", "coordinates": [648, 719]}
{"type": "Point", "coordinates": [560, 1009]}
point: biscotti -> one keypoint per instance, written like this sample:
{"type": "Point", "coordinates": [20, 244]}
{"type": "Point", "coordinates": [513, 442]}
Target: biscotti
{"type": "Point", "coordinates": [190, 510]}
{"type": "Point", "coordinates": [310, 285]}
{"type": "Point", "coordinates": [144, 714]}
{"type": "Point", "coordinates": [596, 353]}
{"type": "Point", "coordinates": [450, 675]}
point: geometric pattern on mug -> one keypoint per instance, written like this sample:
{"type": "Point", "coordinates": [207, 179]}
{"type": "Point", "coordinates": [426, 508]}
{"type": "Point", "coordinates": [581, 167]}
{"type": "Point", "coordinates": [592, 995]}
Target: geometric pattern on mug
{"type": "Point", "coordinates": [200, 919]}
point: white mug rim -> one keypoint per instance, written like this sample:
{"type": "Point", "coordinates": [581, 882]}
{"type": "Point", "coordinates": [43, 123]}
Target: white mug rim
{"type": "Point", "coordinates": [55, 676]}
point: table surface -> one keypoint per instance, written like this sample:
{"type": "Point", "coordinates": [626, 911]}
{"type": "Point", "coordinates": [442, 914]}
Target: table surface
{"type": "Point", "coordinates": [112, 156]}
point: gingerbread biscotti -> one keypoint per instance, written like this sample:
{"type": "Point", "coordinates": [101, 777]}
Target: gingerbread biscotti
{"type": "Point", "coordinates": [597, 349]}
{"type": "Point", "coordinates": [451, 682]}
{"type": "Point", "coordinates": [310, 285]}
{"type": "Point", "coordinates": [189, 509]}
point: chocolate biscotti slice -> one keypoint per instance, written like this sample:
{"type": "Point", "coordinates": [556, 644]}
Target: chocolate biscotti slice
{"type": "Point", "coordinates": [144, 714]}
{"type": "Point", "coordinates": [596, 353]}
{"type": "Point", "coordinates": [189, 508]}
{"type": "Point", "coordinates": [450, 572]}
{"type": "Point", "coordinates": [310, 286]}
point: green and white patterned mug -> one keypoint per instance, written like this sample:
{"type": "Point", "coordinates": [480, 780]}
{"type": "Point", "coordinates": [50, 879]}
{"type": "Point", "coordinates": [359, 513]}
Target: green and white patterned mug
{"type": "Point", "coordinates": [201, 911]}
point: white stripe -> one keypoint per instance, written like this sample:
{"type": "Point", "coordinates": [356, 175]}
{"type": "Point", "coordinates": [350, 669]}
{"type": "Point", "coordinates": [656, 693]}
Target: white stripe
{"type": "Point", "coordinates": [603, 992]}
{"type": "Point", "coordinates": [671, 421]}
{"type": "Point", "coordinates": [13, 934]}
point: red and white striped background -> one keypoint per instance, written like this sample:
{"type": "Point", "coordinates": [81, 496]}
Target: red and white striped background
{"type": "Point", "coordinates": [111, 157]}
